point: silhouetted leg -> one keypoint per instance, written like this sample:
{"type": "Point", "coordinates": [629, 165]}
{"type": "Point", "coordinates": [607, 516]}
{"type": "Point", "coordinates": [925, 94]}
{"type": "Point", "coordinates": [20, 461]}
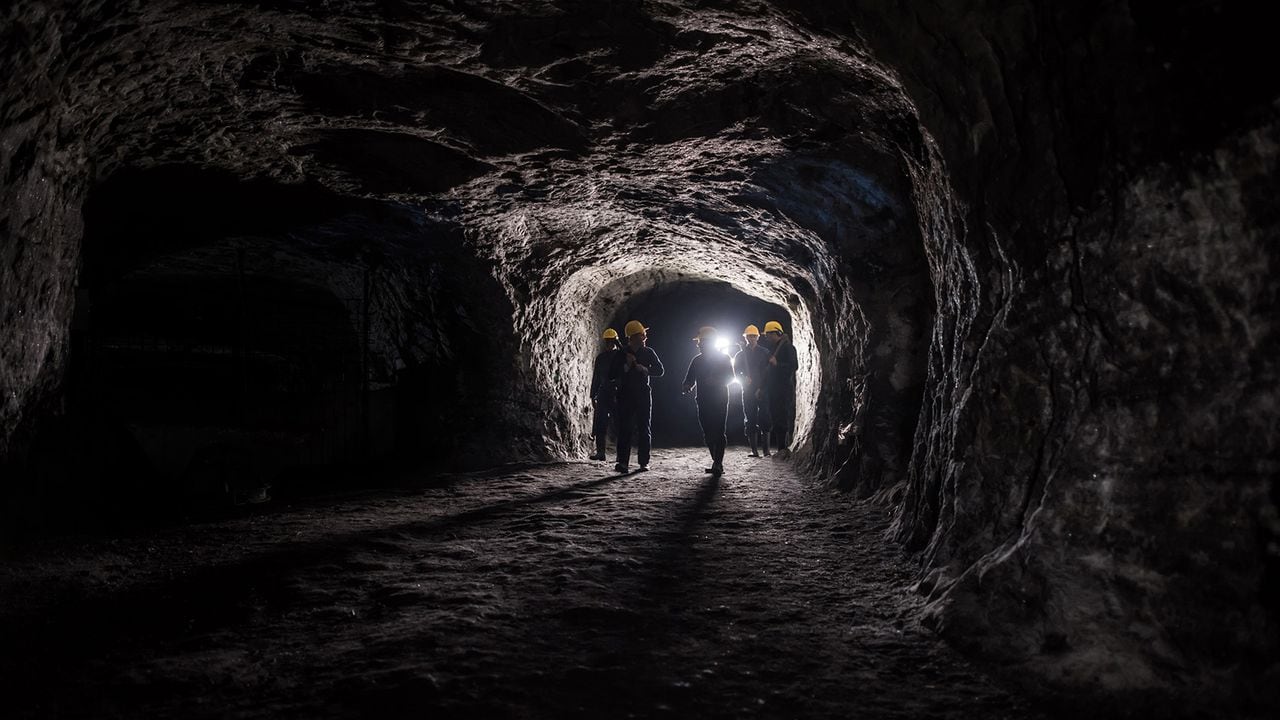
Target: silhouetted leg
{"type": "Point", "coordinates": [644, 426]}
{"type": "Point", "coordinates": [721, 438]}
{"type": "Point", "coordinates": [626, 419]}
{"type": "Point", "coordinates": [765, 419]}
{"type": "Point", "coordinates": [706, 420]}
{"type": "Point", "coordinates": [778, 412]}
{"type": "Point", "coordinates": [714, 419]}
{"type": "Point", "coordinates": [785, 432]}
{"type": "Point", "coordinates": [600, 429]}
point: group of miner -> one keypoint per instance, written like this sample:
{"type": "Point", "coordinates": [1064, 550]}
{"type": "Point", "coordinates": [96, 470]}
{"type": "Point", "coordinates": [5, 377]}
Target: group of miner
{"type": "Point", "coordinates": [763, 369]}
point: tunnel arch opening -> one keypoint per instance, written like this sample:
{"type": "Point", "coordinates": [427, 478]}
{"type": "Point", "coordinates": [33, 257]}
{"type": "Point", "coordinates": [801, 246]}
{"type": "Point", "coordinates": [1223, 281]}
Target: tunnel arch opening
{"type": "Point", "coordinates": [859, 297]}
{"type": "Point", "coordinates": [674, 311]}
{"type": "Point", "coordinates": [735, 299]}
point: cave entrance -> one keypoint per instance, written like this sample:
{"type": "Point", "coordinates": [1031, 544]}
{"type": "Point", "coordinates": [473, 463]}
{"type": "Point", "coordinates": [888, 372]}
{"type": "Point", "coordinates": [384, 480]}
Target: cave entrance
{"type": "Point", "coordinates": [674, 311]}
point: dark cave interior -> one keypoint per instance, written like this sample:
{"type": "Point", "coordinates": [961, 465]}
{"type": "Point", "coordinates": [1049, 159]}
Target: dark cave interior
{"type": "Point", "coordinates": [1027, 252]}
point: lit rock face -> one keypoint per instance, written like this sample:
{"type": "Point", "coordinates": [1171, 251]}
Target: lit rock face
{"type": "Point", "coordinates": [562, 149]}
{"type": "Point", "coordinates": [1027, 323]}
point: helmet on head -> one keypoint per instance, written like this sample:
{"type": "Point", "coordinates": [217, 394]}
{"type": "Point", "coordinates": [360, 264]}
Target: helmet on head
{"type": "Point", "coordinates": [773, 326]}
{"type": "Point", "coordinates": [635, 328]}
{"type": "Point", "coordinates": [752, 330]}
{"type": "Point", "coordinates": [609, 334]}
{"type": "Point", "coordinates": [706, 332]}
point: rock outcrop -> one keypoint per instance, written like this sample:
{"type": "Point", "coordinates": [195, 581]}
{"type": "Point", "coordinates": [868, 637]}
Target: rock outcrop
{"type": "Point", "coordinates": [1026, 249]}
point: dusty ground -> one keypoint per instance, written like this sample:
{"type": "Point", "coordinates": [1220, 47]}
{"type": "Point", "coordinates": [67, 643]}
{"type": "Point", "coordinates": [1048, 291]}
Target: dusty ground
{"type": "Point", "coordinates": [552, 591]}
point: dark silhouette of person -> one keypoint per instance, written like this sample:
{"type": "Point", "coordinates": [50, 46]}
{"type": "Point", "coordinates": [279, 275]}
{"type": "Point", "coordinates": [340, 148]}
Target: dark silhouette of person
{"type": "Point", "coordinates": [632, 369]}
{"type": "Point", "coordinates": [604, 396]}
{"type": "Point", "coordinates": [780, 384]}
{"type": "Point", "coordinates": [751, 365]}
{"type": "Point", "coordinates": [710, 372]}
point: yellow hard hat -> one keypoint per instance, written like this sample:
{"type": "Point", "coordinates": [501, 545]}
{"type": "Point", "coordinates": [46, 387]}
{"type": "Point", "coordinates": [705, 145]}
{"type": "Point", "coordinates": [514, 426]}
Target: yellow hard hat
{"type": "Point", "coordinates": [704, 332]}
{"type": "Point", "coordinates": [752, 330]}
{"type": "Point", "coordinates": [635, 328]}
{"type": "Point", "coordinates": [773, 326]}
{"type": "Point", "coordinates": [609, 334]}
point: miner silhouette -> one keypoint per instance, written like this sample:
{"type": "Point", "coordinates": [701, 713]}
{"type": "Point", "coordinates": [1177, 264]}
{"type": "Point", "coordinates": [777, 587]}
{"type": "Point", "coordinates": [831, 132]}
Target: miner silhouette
{"type": "Point", "coordinates": [632, 368]}
{"type": "Point", "coordinates": [604, 394]}
{"type": "Point", "coordinates": [710, 372]}
{"type": "Point", "coordinates": [780, 383]}
{"type": "Point", "coordinates": [752, 365]}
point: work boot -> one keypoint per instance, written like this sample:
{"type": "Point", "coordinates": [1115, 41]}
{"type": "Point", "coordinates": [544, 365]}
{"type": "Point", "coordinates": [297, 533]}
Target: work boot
{"type": "Point", "coordinates": [621, 468]}
{"type": "Point", "coordinates": [751, 439]}
{"type": "Point", "coordinates": [717, 470]}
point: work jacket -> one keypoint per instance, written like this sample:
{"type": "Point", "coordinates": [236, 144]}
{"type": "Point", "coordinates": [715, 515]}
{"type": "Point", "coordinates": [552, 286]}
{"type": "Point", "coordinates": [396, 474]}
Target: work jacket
{"type": "Point", "coordinates": [601, 386]}
{"type": "Point", "coordinates": [752, 364]}
{"type": "Point", "coordinates": [780, 378]}
{"type": "Point", "coordinates": [633, 385]}
{"type": "Point", "coordinates": [711, 374]}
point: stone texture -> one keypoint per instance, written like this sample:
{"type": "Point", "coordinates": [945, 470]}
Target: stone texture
{"type": "Point", "coordinates": [1027, 248]}
{"type": "Point", "coordinates": [550, 590]}
{"type": "Point", "coordinates": [1152, 452]}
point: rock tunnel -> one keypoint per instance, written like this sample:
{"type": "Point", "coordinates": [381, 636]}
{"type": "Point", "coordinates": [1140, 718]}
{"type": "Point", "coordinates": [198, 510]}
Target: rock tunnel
{"type": "Point", "coordinates": [1025, 250]}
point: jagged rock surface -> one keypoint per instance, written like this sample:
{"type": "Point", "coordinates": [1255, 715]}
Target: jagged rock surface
{"type": "Point", "coordinates": [1032, 244]}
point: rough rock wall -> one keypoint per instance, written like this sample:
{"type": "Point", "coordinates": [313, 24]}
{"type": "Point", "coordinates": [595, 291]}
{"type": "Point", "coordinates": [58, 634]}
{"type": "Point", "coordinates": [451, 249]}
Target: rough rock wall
{"type": "Point", "coordinates": [1132, 545]}
{"type": "Point", "coordinates": [1093, 482]}
{"type": "Point", "coordinates": [642, 133]}
{"type": "Point", "coordinates": [558, 147]}
{"type": "Point", "coordinates": [41, 190]}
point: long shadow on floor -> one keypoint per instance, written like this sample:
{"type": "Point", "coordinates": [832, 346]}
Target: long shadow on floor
{"type": "Point", "coordinates": [625, 665]}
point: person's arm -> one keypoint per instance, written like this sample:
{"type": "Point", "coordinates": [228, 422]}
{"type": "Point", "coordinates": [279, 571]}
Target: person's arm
{"type": "Point", "coordinates": [788, 362]}
{"type": "Point", "coordinates": [615, 368]}
{"type": "Point", "coordinates": [729, 374]}
{"type": "Point", "coordinates": [690, 378]}
{"type": "Point", "coordinates": [595, 378]}
{"type": "Point", "coordinates": [758, 368]}
{"type": "Point", "coordinates": [655, 367]}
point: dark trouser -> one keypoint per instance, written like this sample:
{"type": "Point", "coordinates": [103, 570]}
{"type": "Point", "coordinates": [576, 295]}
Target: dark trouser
{"type": "Point", "coordinates": [712, 417]}
{"type": "Point", "coordinates": [600, 423]}
{"type": "Point", "coordinates": [634, 415]}
{"type": "Point", "coordinates": [755, 411]}
{"type": "Point", "coordinates": [782, 406]}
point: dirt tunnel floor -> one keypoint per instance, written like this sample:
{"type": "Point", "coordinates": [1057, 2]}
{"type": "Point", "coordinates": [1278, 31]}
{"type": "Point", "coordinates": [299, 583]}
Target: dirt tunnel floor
{"type": "Point", "coordinates": [553, 591]}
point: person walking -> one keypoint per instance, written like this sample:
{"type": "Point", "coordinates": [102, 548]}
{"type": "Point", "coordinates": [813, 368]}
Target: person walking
{"type": "Point", "coordinates": [604, 395]}
{"type": "Point", "coordinates": [710, 372]}
{"type": "Point", "coordinates": [780, 384]}
{"type": "Point", "coordinates": [632, 369]}
{"type": "Point", "coordinates": [751, 365]}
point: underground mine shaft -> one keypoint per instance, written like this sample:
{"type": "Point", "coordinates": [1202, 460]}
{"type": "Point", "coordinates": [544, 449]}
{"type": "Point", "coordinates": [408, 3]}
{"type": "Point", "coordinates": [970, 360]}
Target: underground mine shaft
{"type": "Point", "coordinates": [300, 304]}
